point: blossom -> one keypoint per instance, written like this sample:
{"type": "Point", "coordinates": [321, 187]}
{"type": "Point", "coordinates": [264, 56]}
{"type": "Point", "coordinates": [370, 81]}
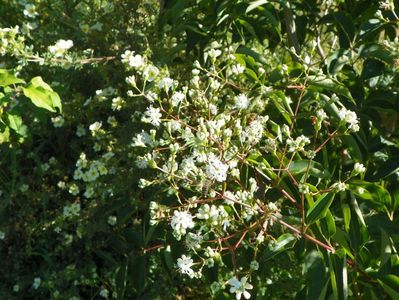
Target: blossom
{"type": "Point", "coordinates": [216, 169]}
{"type": "Point", "coordinates": [95, 127]}
{"type": "Point", "coordinates": [2, 235]}
{"type": "Point", "coordinates": [350, 118]}
{"type": "Point", "coordinates": [36, 283]}
{"type": "Point", "coordinates": [112, 220]}
{"type": "Point", "coordinates": [150, 73]}
{"type": "Point", "coordinates": [30, 11]}
{"type": "Point", "coordinates": [166, 84]}
{"type": "Point", "coordinates": [152, 115]}
{"type": "Point", "coordinates": [213, 53]}
{"type": "Point", "coordinates": [134, 61]}
{"type": "Point", "coordinates": [298, 144]}
{"type": "Point", "coordinates": [241, 101]}
{"type": "Point", "coordinates": [181, 221]}
{"type": "Point", "coordinates": [104, 293]}
{"type": "Point", "coordinates": [58, 121]}
{"type": "Point", "coordinates": [358, 168]}
{"type": "Point", "coordinates": [239, 287]}
{"type": "Point", "coordinates": [177, 98]}
{"type": "Point", "coordinates": [184, 264]}
{"type": "Point", "coordinates": [60, 47]}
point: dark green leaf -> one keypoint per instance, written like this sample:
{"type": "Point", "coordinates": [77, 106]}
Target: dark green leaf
{"type": "Point", "coordinates": [283, 243]}
{"type": "Point", "coordinates": [320, 208]}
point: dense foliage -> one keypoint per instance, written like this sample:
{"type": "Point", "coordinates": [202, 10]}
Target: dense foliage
{"type": "Point", "coordinates": [199, 149]}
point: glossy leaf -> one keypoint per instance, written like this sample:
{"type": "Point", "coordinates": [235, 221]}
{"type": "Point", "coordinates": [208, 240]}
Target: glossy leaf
{"type": "Point", "coordinates": [283, 243]}
{"type": "Point", "coordinates": [320, 208]}
{"type": "Point", "coordinates": [7, 78]}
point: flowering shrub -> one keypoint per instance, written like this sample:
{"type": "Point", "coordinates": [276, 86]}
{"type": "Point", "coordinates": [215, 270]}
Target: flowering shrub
{"type": "Point", "coordinates": [199, 149]}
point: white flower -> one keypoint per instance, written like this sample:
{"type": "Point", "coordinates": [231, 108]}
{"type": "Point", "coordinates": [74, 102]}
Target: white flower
{"type": "Point", "coordinates": [134, 61]}
{"type": "Point", "coordinates": [237, 69]}
{"type": "Point", "coordinates": [150, 73]}
{"type": "Point", "coordinates": [117, 103]}
{"type": "Point", "coordinates": [74, 189]}
{"type": "Point", "coordinates": [177, 98]}
{"type": "Point", "coordinates": [152, 115]}
{"type": "Point", "coordinates": [2, 235]}
{"type": "Point", "coordinates": [30, 10]}
{"type": "Point", "coordinates": [142, 140]}
{"type": "Point", "coordinates": [112, 220]}
{"type": "Point", "coordinates": [181, 221]}
{"type": "Point", "coordinates": [213, 53]}
{"type": "Point", "coordinates": [184, 264]}
{"type": "Point", "coordinates": [339, 186]}
{"type": "Point", "coordinates": [239, 287]}
{"type": "Point", "coordinates": [58, 121]}
{"type": "Point", "coordinates": [95, 127]}
{"type": "Point", "coordinates": [241, 102]}
{"type": "Point", "coordinates": [60, 47]}
{"type": "Point", "coordinates": [36, 283]}
{"type": "Point", "coordinates": [131, 80]}
{"type": "Point", "coordinates": [216, 169]}
{"type": "Point", "coordinates": [298, 144]}
{"type": "Point", "coordinates": [350, 118]}
{"type": "Point", "coordinates": [166, 84]}
{"type": "Point", "coordinates": [359, 168]}
{"type": "Point", "coordinates": [104, 293]}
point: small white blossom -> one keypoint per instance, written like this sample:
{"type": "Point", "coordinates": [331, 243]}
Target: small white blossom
{"type": "Point", "coordinates": [150, 73]}
{"type": "Point", "coordinates": [239, 287]}
{"type": "Point", "coordinates": [241, 102]}
{"type": "Point", "coordinates": [36, 283]}
{"type": "Point", "coordinates": [58, 121]}
{"type": "Point", "coordinates": [298, 144]}
{"type": "Point", "coordinates": [30, 11]}
{"type": "Point", "coordinates": [181, 221]}
{"type": "Point", "coordinates": [216, 169]}
{"type": "Point", "coordinates": [2, 235]}
{"type": "Point", "coordinates": [95, 127]}
{"type": "Point", "coordinates": [152, 115]}
{"type": "Point", "coordinates": [359, 168]}
{"type": "Point", "coordinates": [177, 98]}
{"type": "Point", "coordinates": [166, 84]}
{"type": "Point", "coordinates": [184, 264]}
{"type": "Point", "coordinates": [104, 293]}
{"type": "Point", "coordinates": [214, 53]}
{"type": "Point", "coordinates": [112, 220]}
{"type": "Point", "coordinates": [350, 118]}
{"type": "Point", "coordinates": [60, 47]}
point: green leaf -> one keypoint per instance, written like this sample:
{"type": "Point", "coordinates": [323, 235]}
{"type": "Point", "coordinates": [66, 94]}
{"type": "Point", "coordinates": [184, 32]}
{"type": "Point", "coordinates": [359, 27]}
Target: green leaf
{"type": "Point", "coordinates": [322, 83]}
{"type": "Point", "coordinates": [390, 291]}
{"type": "Point", "coordinates": [316, 169]}
{"type": "Point", "coordinates": [6, 78]}
{"type": "Point", "coordinates": [327, 225]}
{"type": "Point", "coordinates": [283, 243]}
{"type": "Point", "coordinates": [42, 95]}
{"type": "Point", "coordinates": [339, 274]}
{"type": "Point", "coordinates": [371, 191]}
{"type": "Point", "coordinates": [376, 51]}
{"type": "Point", "coordinates": [256, 56]}
{"type": "Point", "coordinates": [386, 249]}
{"type": "Point", "coordinates": [120, 280]}
{"type": "Point", "coordinates": [386, 168]}
{"type": "Point", "coordinates": [320, 208]}
{"type": "Point", "coordinates": [255, 4]}
{"type": "Point", "coordinates": [15, 123]}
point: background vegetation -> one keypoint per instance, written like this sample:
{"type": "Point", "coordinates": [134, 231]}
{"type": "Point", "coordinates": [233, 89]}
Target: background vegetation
{"type": "Point", "coordinates": [76, 219]}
